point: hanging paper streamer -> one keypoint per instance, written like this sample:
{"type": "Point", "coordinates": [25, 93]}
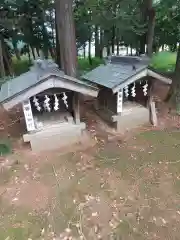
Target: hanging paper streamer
{"type": "Point", "coordinates": [65, 99]}
{"type": "Point", "coordinates": [47, 103]}
{"type": "Point", "coordinates": [56, 103]}
{"type": "Point", "coordinates": [126, 91]}
{"type": "Point", "coordinates": [36, 103]}
{"type": "Point", "coordinates": [145, 89]}
{"type": "Point", "coordinates": [133, 91]}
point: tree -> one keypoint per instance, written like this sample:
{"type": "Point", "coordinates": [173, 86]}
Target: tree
{"type": "Point", "coordinates": [151, 27]}
{"type": "Point", "coordinates": [167, 24]}
{"type": "Point", "coordinates": [66, 36]}
{"type": "Point", "coordinates": [175, 89]}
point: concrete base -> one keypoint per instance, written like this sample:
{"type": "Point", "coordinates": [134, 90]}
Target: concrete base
{"type": "Point", "coordinates": [133, 119]}
{"type": "Point", "coordinates": [56, 136]}
{"type": "Point", "coordinates": [133, 115]}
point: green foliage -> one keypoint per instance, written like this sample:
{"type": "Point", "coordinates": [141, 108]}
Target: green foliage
{"type": "Point", "coordinates": [21, 66]}
{"type": "Point", "coordinates": [122, 22]}
{"type": "Point", "coordinates": [84, 65]}
{"type": "Point", "coordinates": [5, 147]}
{"type": "Point", "coordinates": [167, 23]}
{"type": "Point", "coordinates": [164, 61]}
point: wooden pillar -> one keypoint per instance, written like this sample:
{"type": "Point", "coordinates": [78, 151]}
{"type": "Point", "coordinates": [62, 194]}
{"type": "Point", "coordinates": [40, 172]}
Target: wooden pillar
{"type": "Point", "coordinates": [28, 116]}
{"type": "Point", "coordinates": [119, 101]}
{"type": "Point", "coordinates": [76, 108]}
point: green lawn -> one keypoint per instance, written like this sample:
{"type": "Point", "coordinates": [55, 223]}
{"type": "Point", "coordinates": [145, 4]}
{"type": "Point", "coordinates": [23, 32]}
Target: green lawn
{"type": "Point", "coordinates": [110, 191]}
{"type": "Point", "coordinates": [164, 61]}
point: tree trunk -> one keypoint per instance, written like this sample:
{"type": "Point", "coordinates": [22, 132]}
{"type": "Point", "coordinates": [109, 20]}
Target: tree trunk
{"type": "Point", "coordinates": [89, 51]}
{"type": "Point", "coordinates": [155, 48]}
{"type": "Point", "coordinates": [151, 27]}
{"type": "Point", "coordinates": [58, 55]}
{"type": "Point", "coordinates": [33, 52]}
{"type": "Point", "coordinates": [37, 51]}
{"type": "Point", "coordinates": [29, 54]}
{"type": "Point", "coordinates": [101, 44]}
{"type": "Point", "coordinates": [97, 49]}
{"type": "Point", "coordinates": [8, 61]}
{"type": "Point", "coordinates": [113, 39]}
{"type": "Point", "coordinates": [142, 40]}
{"type": "Point", "coordinates": [52, 29]}
{"type": "Point", "coordinates": [84, 50]}
{"type": "Point", "coordinates": [45, 41]}
{"type": "Point", "coordinates": [117, 44]}
{"type": "Point", "coordinates": [107, 42]}
{"type": "Point", "coordinates": [16, 51]}
{"type": "Point", "coordinates": [127, 52]}
{"type": "Point", "coordinates": [175, 90]}
{"type": "Point", "coordinates": [108, 50]}
{"type": "Point", "coordinates": [131, 50]}
{"type": "Point", "coordinates": [51, 50]}
{"type": "Point", "coordinates": [2, 68]}
{"type": "Point", "coordinates": [66, 35]}
{"type": "Point", "coordinates": [142, 48]}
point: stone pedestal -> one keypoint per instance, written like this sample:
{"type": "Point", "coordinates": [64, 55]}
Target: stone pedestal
{"type": "Point", "coordinates": [56, 136]}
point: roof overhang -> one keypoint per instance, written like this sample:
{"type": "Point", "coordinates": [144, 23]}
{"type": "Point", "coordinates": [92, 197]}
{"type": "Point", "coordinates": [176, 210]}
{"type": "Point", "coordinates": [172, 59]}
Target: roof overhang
{"type": "Point", "coordinates": [143, 73]}
{"type": "Point", "coordinates": [158, 76]}
{"type": "Point", "coordinates": [65, 82]}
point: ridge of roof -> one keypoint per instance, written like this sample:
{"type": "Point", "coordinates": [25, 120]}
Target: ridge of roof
{"type": "Point", "coordinates": [112, 74]}
{"type": "Point", "coordinates": [133, 60]}
{"type": "Point", "coordinates": [122, 69]}
{"type": "Point", "coordinates": [38, 73]}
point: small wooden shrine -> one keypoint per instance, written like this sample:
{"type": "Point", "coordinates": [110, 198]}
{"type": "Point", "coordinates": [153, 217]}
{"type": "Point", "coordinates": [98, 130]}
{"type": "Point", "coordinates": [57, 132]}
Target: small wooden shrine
{"type": "Point", "coordinates": [124, 86]}
{"type": "Point", "coordinates": [50, 101]}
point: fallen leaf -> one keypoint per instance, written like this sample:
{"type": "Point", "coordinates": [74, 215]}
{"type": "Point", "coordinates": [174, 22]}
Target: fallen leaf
{"type": "Point", "coordinates": [68, 230]}
{"type": "Point", "coordinates": [42, 231]}
{"type": "Point", "coordinates": [95, 214]}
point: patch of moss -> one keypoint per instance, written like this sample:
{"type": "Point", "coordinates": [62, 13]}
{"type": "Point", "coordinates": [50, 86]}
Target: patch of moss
{"type": "Point", "coordinates": [5, 148]}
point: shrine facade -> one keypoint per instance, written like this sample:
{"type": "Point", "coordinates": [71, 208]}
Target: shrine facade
{"type": "Point", "coordinates": [50, 102]}
{"type": "Point", "coordinates": [124, 88]}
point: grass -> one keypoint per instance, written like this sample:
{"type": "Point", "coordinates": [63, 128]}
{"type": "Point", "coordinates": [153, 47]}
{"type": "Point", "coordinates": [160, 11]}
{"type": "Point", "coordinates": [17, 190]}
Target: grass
{"type": "Point", "coordinates": [5, 147]}
{"type": "Point", "coordinates": [128, 192]}
{"type": "Point", "coordinates": [164, 61]}
{"type": "Point", "coordinates": [21, 66]}
{"type": "Point", "coordinates": [84, 65]}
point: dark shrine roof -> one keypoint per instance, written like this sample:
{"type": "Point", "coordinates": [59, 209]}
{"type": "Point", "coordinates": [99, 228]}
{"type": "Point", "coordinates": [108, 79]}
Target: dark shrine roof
{"type": "Point", "coordinates": [40, 72]}
{"type": "Point", "coordinates": [117, 70]}
{"type": "Point", "coordinates": [24, 81]}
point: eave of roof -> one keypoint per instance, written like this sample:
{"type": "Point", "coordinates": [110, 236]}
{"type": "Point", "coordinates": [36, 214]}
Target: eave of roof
{"type": "Point", "coordinates": [42, 73]}
{"type": "Point", "coordinates": [143, 73]}
{"type": "Point", "coordinates": [111, 75]}
{"type": "Point", "coordinates": [49, 80]}
{"type": "Point", "coordinates": [119, 82]}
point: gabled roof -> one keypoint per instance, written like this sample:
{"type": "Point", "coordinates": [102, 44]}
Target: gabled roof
{"type": "Point", "coordinates": [42, 76]}
{"type": "Point", "coordinates": [120, 71]}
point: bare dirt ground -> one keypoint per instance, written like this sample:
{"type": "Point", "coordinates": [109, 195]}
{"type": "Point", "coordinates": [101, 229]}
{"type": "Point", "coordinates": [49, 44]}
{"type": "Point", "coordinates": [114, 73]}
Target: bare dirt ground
{"type": "Point", "coordinates": [120, 188]}
{"type": "Point", "coordinates": [123, 187]}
